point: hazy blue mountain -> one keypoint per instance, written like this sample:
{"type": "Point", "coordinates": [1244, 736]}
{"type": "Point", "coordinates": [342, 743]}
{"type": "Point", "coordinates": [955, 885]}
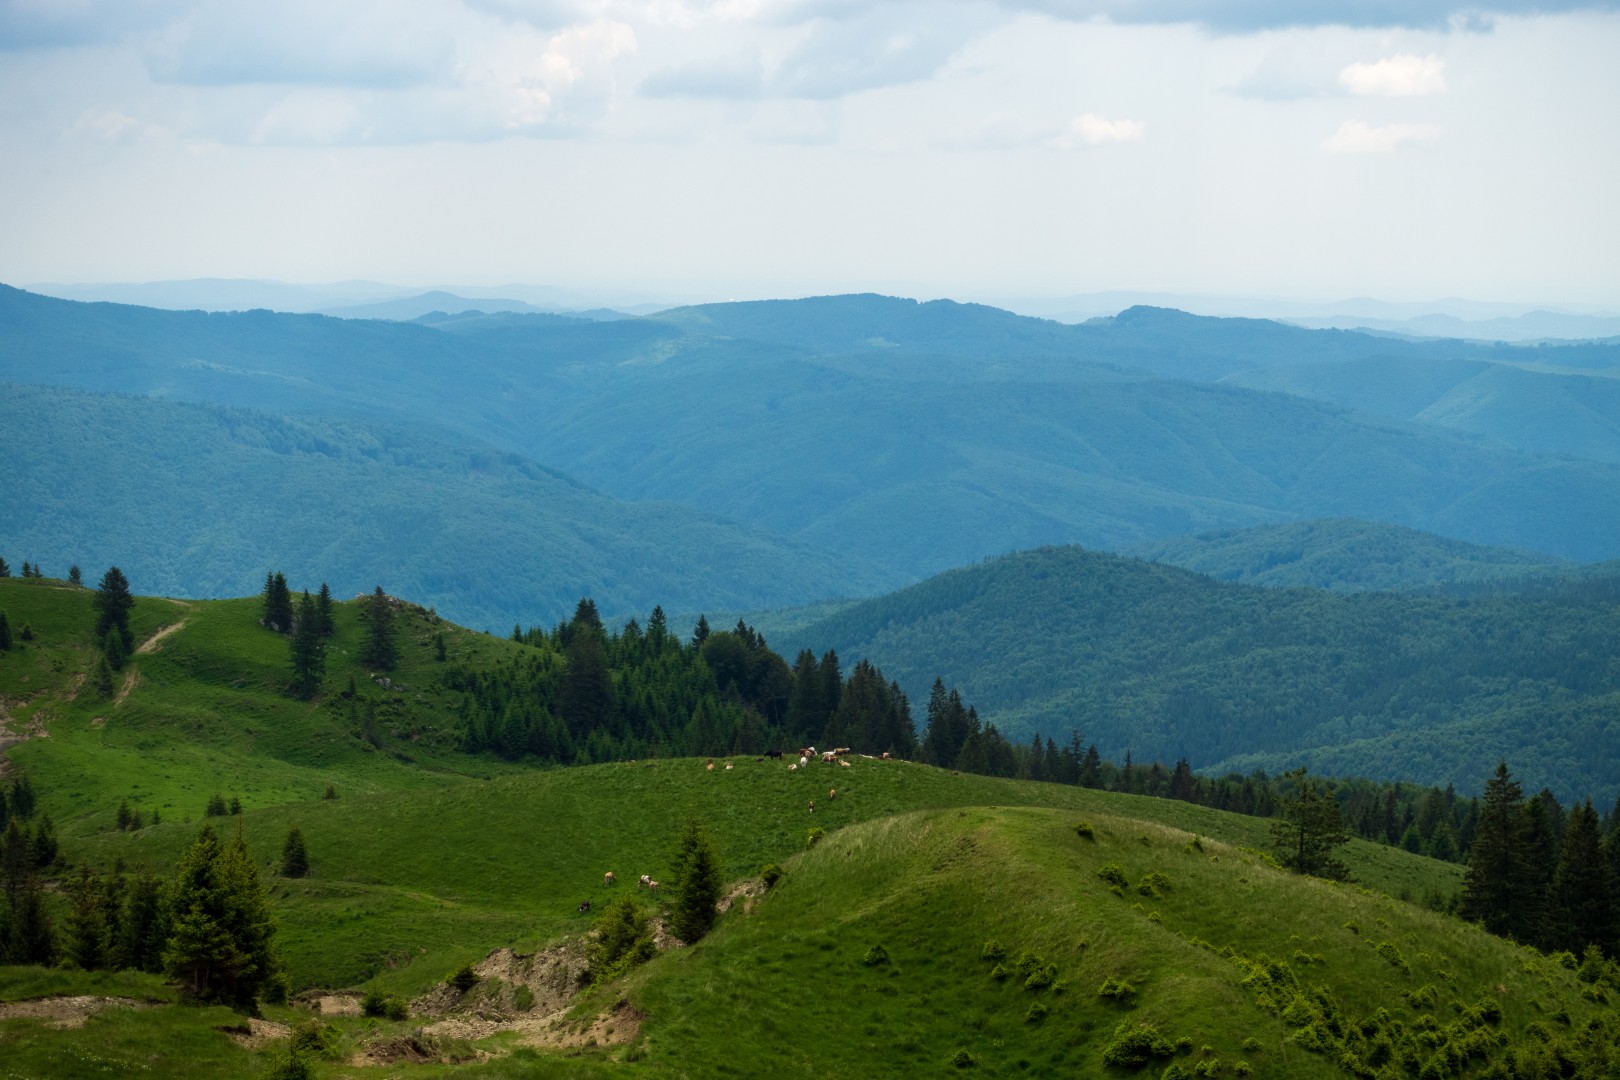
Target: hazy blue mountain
{"type": "Point", "coordinates": [225, 294]}
{"type": "Point", "coordinates": [1533, 326]}
{"type": "Point", "coordinates": [1342, 554]}
{"type": "Point", "coordinates": [194, 500]}
{"type": "Point", "coordinates": [1542, 412]}
{"type": "Point", "coordinates": [939, 435]}
{"type": "Point", "coordinates": [1163, 662]}
{"type": "Point", "coordinates": [405, 308]}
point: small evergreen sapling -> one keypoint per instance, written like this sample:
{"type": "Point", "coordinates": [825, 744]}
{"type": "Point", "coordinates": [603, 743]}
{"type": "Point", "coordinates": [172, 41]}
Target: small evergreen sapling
{"type": "Point", "coordinates": [294, 857]}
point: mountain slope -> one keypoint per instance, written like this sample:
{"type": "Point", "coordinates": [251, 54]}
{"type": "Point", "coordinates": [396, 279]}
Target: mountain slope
{"type": "Point", "coordinates": [1165, 663]}
{"type": "Point", "coordinates": [1341, 554]}
{"type": "Point", "coordinates": [202, 501]}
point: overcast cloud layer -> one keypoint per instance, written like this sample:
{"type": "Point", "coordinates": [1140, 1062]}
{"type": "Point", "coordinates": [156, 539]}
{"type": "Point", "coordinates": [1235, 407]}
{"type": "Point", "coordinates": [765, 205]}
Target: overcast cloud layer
{"type": "Point", "coordinates": [781, 147]}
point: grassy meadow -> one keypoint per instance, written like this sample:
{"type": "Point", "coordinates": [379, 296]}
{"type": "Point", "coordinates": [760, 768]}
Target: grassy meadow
{"type": "Point", "coordinates": [867, 958]}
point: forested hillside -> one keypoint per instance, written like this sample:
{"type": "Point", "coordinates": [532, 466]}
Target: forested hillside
{"type": "Point", "coordinates": [1164, 663]}
{"type": "Point", "coordinates": [1347, 556]}
{"type": "Point", "coordinates": [198, 501]}
{"type": "Point", "coordinates": [879, 432]}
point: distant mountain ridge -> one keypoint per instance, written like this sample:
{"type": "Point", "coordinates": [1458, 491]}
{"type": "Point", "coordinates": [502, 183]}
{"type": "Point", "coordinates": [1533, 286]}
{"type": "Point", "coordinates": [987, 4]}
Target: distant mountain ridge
{"type": "Point", "coordinates": [1343, 555]}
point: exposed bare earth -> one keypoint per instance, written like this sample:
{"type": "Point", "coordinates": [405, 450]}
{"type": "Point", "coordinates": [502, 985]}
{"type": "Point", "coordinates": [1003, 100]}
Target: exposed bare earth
{"type": "Point", "coordinates": [67, 1012]}
{"type": "Point", "coordinates": [151, 644]}
{"type": "Point", "coordinates": [257, 1034]}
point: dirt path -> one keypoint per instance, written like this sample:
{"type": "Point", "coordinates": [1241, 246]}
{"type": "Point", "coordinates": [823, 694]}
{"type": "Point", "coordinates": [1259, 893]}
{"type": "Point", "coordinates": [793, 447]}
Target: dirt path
{"type": "Point", "coordinates": [151, 643]}
{"type": "Point", "coordinates": [67, 1012]}
{"type": "Point", "coordinates": [132, 679]}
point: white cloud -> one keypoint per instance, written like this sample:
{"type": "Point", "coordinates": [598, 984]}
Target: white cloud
{"type": "Point", "coordinates": [1360, 137]}
{"type": "Point", "coordinates": [1402, 75]}
{"type": "Point", "coordinates": [1093, 129]}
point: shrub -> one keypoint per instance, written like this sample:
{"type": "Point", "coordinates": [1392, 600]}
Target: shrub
{"type": "Point", "coordinates": [993, 950]}
{"type": "Point", "coordinates": [288, 1066]}
{"type": "Point", "coordinates": [1116, 990]}
{"type": "Point", "coordinates": [376, 1003]}
{"type": "Point", "coordinates": [1133, 1045]}
{"type": "Point", "coordinates": [1084, 831]}
{"type": "Point", "coordinates": [1175, 1071]}
{"type": "Point", "coordinates": [876, 955]}
{"type": "Point", "coordinates": [373, 1003]}
{"type": "Point", "coordinates": [816, 833]}
{"type": "Point", "coordinates": [1153, 884]}
{"type": "Point", "coordinates": [962, 1059]}
{"type": "Point", "coordinates": [1393, 956]}
{"type": "Point", "coordinates": [1035, 1013]}
{"type": "Point", "coordinates": [314, 1037]}
{"type": "Point", "coordinates": [522, 999]}
{"type": "Point", "coordinates": [1242, 1068]}
{"type": "Point", "coordinates": [1113, 873]}
{"type": "Point", "coordinates": [771, 874]}
{"type": "Point", "coordinates": [998, 973]}
{"type": "Point", "coordinates": [464, 978]}
{"type": "Point", "coordinates": [1196, 843]}
{"type": "Point", "coordinates": [396, 1008]}
{"type": "Point", "coordinates": [1251, 1045]}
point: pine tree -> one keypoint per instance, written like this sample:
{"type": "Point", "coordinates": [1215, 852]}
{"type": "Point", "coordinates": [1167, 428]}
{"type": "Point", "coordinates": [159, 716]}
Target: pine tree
{"type": "Point", "coordinates": [1309, 830]}
{"type": "Point", "coordinates": [112, 650]}
{"type": "Point", "coordinates": [1580, 908]}
{"type": "Point", "coordinates": [5, 633]}
{"type": "Point", "coordinates": [113, 603]}
{"type": "Point", "coordinates": [380, 650]}
{"type": "Point", "coordinates": [104, 678]}
{"type": "Point", "coordinates": [75, 575]}
{"type": "Point", "coordinates": [87, 923]}
{"type": "Point", "coordinates": [220, 942]}
{"type": "Point", "coordinates": [144, 928]}
{"type": "Point", "coordinates": [278, 606]}
{"type": "Point", "coordinates": [27, 570]}
{"type": "Point", "coordinates": [5, 569]}
{"type": "Point", "coordinates": [1498, 888]}
{"type": "Point", "coordinates": [697, 883]}
{"type": "Point", "coordinates": [307, 649]}
{"type": "Point", "coordinates": [700, 632]}
{"type": "Point", "coordinates": [294, 859]}
{"type": "Point", "coordinates": [324, 622]}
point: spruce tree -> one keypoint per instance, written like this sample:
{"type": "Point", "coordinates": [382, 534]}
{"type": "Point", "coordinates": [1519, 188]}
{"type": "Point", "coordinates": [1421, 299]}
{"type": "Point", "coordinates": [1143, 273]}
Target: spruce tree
{"type": "Point", "coordinates": [221, 935]}
{"type": "Point", "coordinates": [113, 602]}
{"type": "Point", "coordinates": [324, 623]}
{"type": "Point", "coordinates": [75, 575]}
{"type": "Point", "coordinates": [144, 928]}
{"type": "Point", "coordinates": [5, 633]}
{"type": "Point", "coordinates": [278, 606]}
{"type": "Point", "coordinates": [5, 569]}
{"type": "Point", "coordinates": [1309, 830]}
{"type": "Point", "coordinates": [697, 883]}
{"type": "Point", "coordinates": [112, 649]}
{"type": "Point", "coordinates": [1498, 888]}
{"type": "Point", "coordinates": [1580, 908]}
{"type": "Point", "coordinates": [104, 678]}
{"type": "Point", "coordinates": [294, 858]}
{"type": "Point", "coordinates": [27, 570]}
{"type": "Point", "coordinates": [307, 649]}
{"type": "Point", "coordinates": [700, 632]}
{"type": "Point", "coordinates": [87, 923]}
{"type": "Point", "coordinates": [380, 650]}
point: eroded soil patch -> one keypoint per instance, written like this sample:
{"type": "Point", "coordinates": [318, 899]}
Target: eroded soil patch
{"type": "Point", "coordinates": [68, 1011]}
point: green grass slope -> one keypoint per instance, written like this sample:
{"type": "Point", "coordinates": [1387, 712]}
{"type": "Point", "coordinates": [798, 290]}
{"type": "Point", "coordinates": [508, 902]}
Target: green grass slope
{"type": "Point", "coordinates": [1162, 662]}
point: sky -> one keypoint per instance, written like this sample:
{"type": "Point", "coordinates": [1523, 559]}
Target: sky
{"type": "Point", "coordinates": [714, 149]}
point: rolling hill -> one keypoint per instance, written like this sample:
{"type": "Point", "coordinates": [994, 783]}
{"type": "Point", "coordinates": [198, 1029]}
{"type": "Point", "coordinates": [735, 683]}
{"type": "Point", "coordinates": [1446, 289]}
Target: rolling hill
{"type": "Point", "coordinates": [1344, 555]}
{"type": "Point", "coordinates": [202, 501]}
{"type": "Point", "coordinates": [941, 921]}
{"type": "Point", "coordinates": [1165, 663]}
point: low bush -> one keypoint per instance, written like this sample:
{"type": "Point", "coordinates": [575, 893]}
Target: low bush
{"type": "Point", "coordinates": [1116, 990]}
{"type": "Point", "coordinates": [1134, 1045]}
{"type": "Point", "coordinates": [1085, 831]}
{"type": "Point", "coordinates": [464, 978]}
{"type": "Point", "coordinates": [771, 874]}
{"type": "Point", "coordinates": [1114, 874]}
{"type": "Point", "coordinates": [993, 950]}
{"type": "Point", "coordinates": [876, 955]}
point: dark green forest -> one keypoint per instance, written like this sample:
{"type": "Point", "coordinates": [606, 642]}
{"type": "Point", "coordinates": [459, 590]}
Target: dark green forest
{"type": "Point", "coordinates": [1165, 664]}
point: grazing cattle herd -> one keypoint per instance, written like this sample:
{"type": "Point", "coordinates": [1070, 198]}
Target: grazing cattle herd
{"type": "Point", "coordinates": [806, 755]}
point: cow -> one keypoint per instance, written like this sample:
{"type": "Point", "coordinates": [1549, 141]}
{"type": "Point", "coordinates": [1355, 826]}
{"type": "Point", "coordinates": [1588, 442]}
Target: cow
{"type": "Point", "coordinates": [812, 806]}
{"type": "Point", "coordinates": [832, 793]}
{"type": "Point", "coordinates": [885, 755]}
{"type": "Point", "coordinates": [653, 885]}
{"type": "Point", "coordinates": [728, 766]}
{"type": "Point", "coordinates": [803, 761]}
{"type": "Point", "coordinates": [845, 764]}
{"type": "Point", "coordinates": [792, 767]}
{"type": "Point", "coordinates": [710, 766]}
{"type": "Point", "coordinates": [609, 879]}
{"type": "Point", "coordinates": [828, 757]}
{"type": "Point", "coordinates": [584, 906]}
{"type": "Point", "coordinates": [777, 754]}
{"type": "Point", "coordinates": [646, 880]}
